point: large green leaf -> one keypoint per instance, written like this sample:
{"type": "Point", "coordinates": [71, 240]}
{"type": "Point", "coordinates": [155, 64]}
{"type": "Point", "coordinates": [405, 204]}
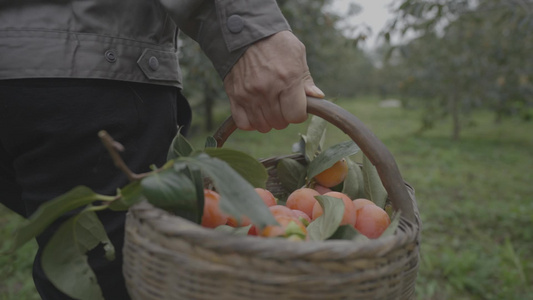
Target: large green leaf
{"type": "Point", "coordinates": [314, 138]}
{"type": "Point", "coordinates": [50, 211]}
{"type": "Point", "coordinates": [64, 258]}
{"type": "Point", "coordinates": [326, 225]}
{"type": "Point", "coordinates": [329, 157]}
{"type": "Point", "coordinates": [180, 147]}
{"type": "Point", "coordinates": [291, 173]}
{"type": "Point", "coordinates": [374, 189]}
{"type": "Point", "coordinates": [353, 185]}
{"type": "Point", "coordinates": [238, 197]}
{"type": "Point", "coordinates": [170, 189]}
{"type": "Point", "coordinates": [247, 166]}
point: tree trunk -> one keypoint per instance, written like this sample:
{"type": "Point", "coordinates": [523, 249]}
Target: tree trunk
{"type": "Point", "coordinates": [455, 103]}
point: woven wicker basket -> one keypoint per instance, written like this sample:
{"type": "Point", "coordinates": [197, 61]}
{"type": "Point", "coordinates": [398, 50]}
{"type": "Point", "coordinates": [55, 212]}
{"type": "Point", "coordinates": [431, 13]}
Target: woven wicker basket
{"type": "Point", "coordinates": [167, 257]}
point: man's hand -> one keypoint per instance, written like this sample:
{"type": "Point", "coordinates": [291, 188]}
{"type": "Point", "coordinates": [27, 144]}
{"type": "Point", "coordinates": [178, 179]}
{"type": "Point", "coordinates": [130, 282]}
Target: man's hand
{"type": "Point", "coordinates": [267, 87]}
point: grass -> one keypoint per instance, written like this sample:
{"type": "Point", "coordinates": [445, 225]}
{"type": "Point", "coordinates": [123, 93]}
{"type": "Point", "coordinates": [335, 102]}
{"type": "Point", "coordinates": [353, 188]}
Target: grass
{"type": "Point", "coordinates": [474, 196]}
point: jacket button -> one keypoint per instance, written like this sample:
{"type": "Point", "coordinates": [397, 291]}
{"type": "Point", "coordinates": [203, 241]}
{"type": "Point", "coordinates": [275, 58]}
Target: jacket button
{"type": "Point", "coordinates": [110, 56]}
{"type": "Point", "coordinates": [153, 63]}
{"type": "Point", "coordinates": [235, 23]}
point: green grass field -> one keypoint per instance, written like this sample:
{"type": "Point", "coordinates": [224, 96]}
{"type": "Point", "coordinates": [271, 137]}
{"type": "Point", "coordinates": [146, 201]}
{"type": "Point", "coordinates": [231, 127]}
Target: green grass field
{"type": "Point", "coordinates": [474, 196]}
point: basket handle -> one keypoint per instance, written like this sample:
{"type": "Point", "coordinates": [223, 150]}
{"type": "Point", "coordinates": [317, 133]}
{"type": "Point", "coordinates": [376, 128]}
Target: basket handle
{"type": "Point", "coordinates": [371, 146]}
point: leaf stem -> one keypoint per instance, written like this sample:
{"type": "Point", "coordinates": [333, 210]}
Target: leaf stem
{"type": "Point", "coordinates": [107, 198]}
{"type": "Point", "coordinates": [95, 208]}
{"type": "Point", "coordinates": [113, 147]}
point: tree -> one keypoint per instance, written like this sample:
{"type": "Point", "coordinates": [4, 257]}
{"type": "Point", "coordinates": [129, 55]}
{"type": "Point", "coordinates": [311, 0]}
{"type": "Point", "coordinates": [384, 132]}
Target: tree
{"type": "Point", "coordinates": [466, 55]}
{"type": "Point", "coordinates": [203, 85]}
{"type": "Point", "coordinates": [338, 66]}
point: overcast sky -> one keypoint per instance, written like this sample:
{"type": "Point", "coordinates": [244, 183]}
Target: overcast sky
{"type": "Point", "coordinates": [375, 14]}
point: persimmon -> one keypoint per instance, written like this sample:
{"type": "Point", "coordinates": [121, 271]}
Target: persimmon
{"type": "Point", "coordinates": [303, 217]}
{"type": "Point", "coordinates": [372, 221]}
{"type": "Point", "coordinates": [303, 199]}
{"type": "Point", "coordinates": [267, 196]}
{"type": "Point", "coordinates": [232, 221]}
{"type": "Point", "coordinates": [333, 175]}
{"type": "Point", "coordinates": [252, 230]}
{"type": "Point", "coordinates": [360, 202]}
{"type": "Point", "coordinates": [289, 227]}
{"type": "Point", "coordinates": [212, 216]}
{"type": "Point", "coordinates": [279, 209]}
{"type": "Point", "coordinates": [321, 189]}
{"type": "Point", "coordinates": [349, 216]}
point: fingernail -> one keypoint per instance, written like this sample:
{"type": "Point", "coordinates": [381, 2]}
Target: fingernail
{"type": "Point", "coordinates": [318, 91]}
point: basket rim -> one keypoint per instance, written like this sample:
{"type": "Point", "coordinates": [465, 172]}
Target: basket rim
{"type": "Point", "coordinates": [166, 226]}
{"type": "Point", "coordinates": [370, 145]}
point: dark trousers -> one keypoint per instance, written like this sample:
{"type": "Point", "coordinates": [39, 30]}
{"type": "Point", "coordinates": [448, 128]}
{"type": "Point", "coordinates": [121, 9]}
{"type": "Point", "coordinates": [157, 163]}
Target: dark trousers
{"type": "Point", "coordinates": [49, 144]}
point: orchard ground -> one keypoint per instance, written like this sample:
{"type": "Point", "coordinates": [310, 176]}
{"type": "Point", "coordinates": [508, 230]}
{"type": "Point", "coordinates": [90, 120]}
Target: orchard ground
{"type": "Point", "coordinates": [474, 195]}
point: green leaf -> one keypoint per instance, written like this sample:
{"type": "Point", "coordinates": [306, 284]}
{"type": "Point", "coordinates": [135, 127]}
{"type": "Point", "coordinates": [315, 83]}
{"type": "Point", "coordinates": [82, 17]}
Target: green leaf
{"type": "Point", "coordinates": [325, 226]}
{"type": "Point", "coordinates": [329, 157]}
{"type": "Point", "coordinates": [210, 142]}
{"type": "Point", "coordinates": [374, 189]}
{"type": "Point", "coordinates": [247, 166]}
{"type": "Point", "coordinates": [348, 232]}
{"type": "Point", "coordinates": [52, 210]}
{"type": "Point", "coordinates": [64, 258]}
{"type": "Point", "coordinates": [243, 230]}
{"type": "Point", "coordinates": [294, 230]}
{"type": "Point", "coordinates": [180, 147]}
{"type": "Point", "coordinates": [198, 180]}
{"type": "Point", "coordinates": [129, 195]}
{"type": "Point", "coordinates": [237, 197]}
{"type": "Point", "coordinates": [291, 173]}
{"type": "Point", "coordinates": [353, 185]}
{"type": "Point", "coordinates": [314, 138]}
{"type": "Point", "coordinates": [170, 189]}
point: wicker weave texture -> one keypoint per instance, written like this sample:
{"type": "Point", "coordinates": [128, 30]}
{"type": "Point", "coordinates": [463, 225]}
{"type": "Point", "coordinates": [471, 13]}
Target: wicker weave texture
{"type": "Point", "coordinates": [167, 257]}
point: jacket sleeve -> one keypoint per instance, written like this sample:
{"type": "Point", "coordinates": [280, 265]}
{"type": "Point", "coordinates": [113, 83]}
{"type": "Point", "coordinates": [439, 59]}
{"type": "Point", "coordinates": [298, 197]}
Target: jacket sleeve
{"type": "Point", "coordinates": [225, 28]}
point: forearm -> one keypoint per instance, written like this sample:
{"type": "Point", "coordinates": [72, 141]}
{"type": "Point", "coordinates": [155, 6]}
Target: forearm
{"type": "Point", "coordinates": [225, 28]}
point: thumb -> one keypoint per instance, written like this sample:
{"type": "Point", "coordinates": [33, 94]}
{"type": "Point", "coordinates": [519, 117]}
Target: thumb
{"type": "Point", "coordinates": [312, 90]}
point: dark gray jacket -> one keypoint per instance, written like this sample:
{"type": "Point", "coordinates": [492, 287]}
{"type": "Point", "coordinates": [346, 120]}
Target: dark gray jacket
{"type": "Point", "coordinates": [131, 40]}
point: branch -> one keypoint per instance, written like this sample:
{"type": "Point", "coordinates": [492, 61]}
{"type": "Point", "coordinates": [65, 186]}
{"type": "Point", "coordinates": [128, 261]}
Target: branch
{"type": "Point", "coordinates": [113, 147]}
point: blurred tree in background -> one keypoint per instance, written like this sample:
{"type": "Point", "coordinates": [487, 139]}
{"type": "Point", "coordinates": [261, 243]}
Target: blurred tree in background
{"type": "Point", "coordinates": [465, 55]}
{"type": "Point", "coordinates": [202, 85]}
{"type": "Point", "coordinates": [338, 66]}
{"type": "Point", "coordinates": [455, 57]}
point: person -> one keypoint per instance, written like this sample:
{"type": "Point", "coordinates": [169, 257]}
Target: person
{"type": "Point", "coordinates": [69, 69]}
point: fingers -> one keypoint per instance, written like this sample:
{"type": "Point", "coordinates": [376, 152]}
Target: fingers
{"type": "Point", "coordinates": [251, 118]}
{"type": "Point", "coordinates": [252, 109]}
{"type": "Point", "coordinates": [240, 118]}
{"type": "Point", "coordinates": [294, 104]}
{"type": "Point", "coordinates": [269, 84]}
{"type": "Point", "coordinates": [263, 112]}
{"type": "Point", "coordinates": [274, 116]}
